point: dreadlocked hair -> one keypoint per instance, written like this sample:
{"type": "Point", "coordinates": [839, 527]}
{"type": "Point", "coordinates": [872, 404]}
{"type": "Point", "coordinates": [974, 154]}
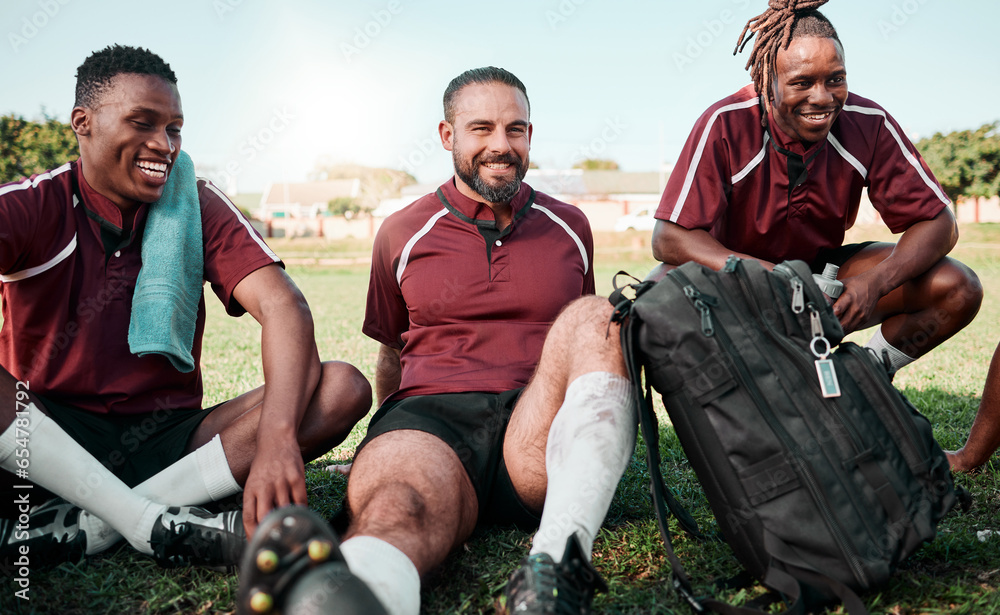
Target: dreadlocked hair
{"type": "Point", "coordinates": [775, 28]}
{"type": "Point", "coordinates": [94, 76]}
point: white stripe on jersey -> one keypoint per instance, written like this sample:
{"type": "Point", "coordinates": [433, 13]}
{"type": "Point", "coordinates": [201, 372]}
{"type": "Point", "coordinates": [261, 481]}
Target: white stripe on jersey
{"type": "Point", "coordinates": [64, 253]}
{"type": "Point", "coordinates": [569, 231]}
{"type": "Point", "coordinates": [243, 221]}
{"type": "Point", "coordinates": [753, 163]}
{"type": "Point", "coordinates": [33, 271]}
{"type": "Point", "coordinates": [34, 183]}
{"type": "Point", "coordinates": [693, 166]}
{"type": "Point", "coordinates": [404, 258]}
{"type": "Point", "coordinates": [906, 153]}
{"type": "Point", "coordinates": [854, 162]}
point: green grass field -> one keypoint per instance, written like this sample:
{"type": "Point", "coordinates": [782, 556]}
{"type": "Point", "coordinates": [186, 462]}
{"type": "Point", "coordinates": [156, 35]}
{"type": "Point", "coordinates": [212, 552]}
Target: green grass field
{"type": "Point", "coordinates": [954, 574]}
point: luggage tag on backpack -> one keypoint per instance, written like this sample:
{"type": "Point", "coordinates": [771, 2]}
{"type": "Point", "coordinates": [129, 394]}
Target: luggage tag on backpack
{"type": "Point", "coordinates": [825, 369]}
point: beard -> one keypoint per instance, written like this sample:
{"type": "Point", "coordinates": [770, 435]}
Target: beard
{"type": "Point", "coordinates": [501, 192]}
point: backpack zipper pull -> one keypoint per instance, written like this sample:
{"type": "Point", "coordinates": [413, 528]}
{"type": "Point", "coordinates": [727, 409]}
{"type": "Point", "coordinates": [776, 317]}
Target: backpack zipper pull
{"type": "Point", "coordinates": [815, 322]}
{"type": "Point", "coordinates": [706, 318]}
{"type": "Point", "coordinates": [703, 304]}
{"type": "Point", "coordinates": [798, 297]}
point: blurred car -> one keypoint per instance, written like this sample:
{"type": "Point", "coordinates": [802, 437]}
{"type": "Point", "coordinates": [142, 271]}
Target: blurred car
{"type": "Point", "coordinates": [638, 220]}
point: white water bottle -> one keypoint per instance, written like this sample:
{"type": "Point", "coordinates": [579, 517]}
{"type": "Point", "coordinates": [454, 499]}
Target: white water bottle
{"type": "Point", "coordinates": [828, 282]}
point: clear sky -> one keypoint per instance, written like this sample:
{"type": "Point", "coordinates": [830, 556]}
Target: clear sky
{"type": "Point", "coordinates": [269, 91]}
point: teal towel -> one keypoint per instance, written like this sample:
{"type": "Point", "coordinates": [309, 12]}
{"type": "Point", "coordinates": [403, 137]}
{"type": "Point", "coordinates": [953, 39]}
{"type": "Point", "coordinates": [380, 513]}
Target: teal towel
{"type": "Point", "coordinates": [168, 291]}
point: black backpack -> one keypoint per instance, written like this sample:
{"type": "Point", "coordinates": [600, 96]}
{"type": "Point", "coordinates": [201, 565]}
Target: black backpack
{"type": "Point", "coordinates": [822, 477]}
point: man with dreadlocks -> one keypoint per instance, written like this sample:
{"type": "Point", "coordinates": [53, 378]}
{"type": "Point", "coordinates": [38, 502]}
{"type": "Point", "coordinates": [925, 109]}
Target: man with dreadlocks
{"type": "Point", "coordinates": [776, 172]}
{"type": "Point", "coordinates": [119, 435]}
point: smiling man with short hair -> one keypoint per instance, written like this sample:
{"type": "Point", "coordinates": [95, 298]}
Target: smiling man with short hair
{"type": "Point", "coordinates": [776, 172]}
{"type": "Point", "coordinates": [502, 389]}
{"type": "Point", "coordinates": [119, 434]}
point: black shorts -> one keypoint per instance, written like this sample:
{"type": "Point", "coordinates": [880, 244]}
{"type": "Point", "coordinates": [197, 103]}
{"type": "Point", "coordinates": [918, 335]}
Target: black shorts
{"type": "Point", "coordinates": [473, 424]}
{"type": "Point", "coordinates": [837, 256]}
{"type": "Point", "coordinates": [134, 447]}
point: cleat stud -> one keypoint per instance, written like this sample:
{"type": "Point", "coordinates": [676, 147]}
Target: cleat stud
{"type": "Point", "coordinates": [319, 550]}
{"type": "Point", "coordinates": [267, 561]}
{"type": "Point", "coordinates": [261, 602]}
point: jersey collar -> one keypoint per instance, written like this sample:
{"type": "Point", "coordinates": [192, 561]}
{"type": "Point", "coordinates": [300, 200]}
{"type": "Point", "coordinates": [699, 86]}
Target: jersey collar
{"type": "Point", "coordinates": [99, 206]}
{"type": "Point", "coordinates": [782, 140]}
{"type": "Point", "coordinates": [477, 212]}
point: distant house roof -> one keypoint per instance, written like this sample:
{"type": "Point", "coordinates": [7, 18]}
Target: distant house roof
{"type": "Point", "coordinates": [310, 193]}
{"type": "Point", "coordinates": [557, 182]}
{"type": "Point", "coordinates": [407, 195]}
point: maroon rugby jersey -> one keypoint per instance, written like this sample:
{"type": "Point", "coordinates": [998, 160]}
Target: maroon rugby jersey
{"type": "Point", "coordinates": [469, 306]}
{"type": "Point", "coordinates": [732, 181]}
{"type": "Point", "coordinates": [67, 303]}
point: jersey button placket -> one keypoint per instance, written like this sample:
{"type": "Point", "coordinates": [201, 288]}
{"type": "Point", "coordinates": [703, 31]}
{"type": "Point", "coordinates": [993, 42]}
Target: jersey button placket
{"type": "Point", "coordinates": [499, 269]}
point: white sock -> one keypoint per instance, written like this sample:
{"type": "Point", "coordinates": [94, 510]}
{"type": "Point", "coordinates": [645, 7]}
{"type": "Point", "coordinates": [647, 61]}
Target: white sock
{"type": "Point", "coordinates": [387, 571]}
{"type": "Point", "coordinates": [897, 359]}
{"type": "Point", "coordinates": [589, 446]}
{"type": "Point", "coordinates": [58, 463]}
{"type": "Point", "coordinates": [175, 485]}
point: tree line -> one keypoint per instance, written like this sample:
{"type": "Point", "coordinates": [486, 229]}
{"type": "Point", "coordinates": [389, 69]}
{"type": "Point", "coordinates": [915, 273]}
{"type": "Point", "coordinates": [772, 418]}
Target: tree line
{"type": "Point", "coordinates": [28, 147]}
{"type": "Point", "coordinates": [966, 162]}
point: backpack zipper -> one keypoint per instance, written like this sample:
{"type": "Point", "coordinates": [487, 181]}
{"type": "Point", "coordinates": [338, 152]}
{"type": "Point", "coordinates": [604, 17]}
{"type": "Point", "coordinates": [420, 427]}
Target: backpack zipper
{"type": "Point", "coordinates": [846, 546]}
{"type": "Point", "coordinates": [860, 447]}
{"type": "Point", "coordinates": [793, 352]}
{"type": "Point", "coordinates": [702, 303]}
{"type": "Point", "coordinates": [910, 446]}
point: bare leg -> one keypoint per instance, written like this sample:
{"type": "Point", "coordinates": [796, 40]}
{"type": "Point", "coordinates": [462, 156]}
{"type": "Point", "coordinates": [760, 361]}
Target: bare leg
{"type": "Point", "coordinates": [924, 312]}
{"type": "Point", "coordinates": [342, 398]}
{"type": "Point", "coordinates": [410, 489]}
{"type": "Point", "coordinates": [411, 504]}
{"type": "Point", "coordinates": [984, 437]}
{"type": "Point", "coordinates": [579, 342]}
{"type": "Point", "coordinates": [568, 443]}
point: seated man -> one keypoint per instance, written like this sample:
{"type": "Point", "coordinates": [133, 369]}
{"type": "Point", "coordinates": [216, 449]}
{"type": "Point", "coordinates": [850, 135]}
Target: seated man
{"type": "Point", "coordinates": [86, 419]}
{"type": "Point", "coordinates": [984, 437]}
{"type": "Point", "coordinates": [776, 171]}
{"type": "Point", "coordinates": [503, 391]}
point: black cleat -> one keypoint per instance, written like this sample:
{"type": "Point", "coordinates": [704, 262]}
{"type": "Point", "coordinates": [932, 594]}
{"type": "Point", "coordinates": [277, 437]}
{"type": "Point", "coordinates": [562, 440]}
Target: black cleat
{"type": "Point", "coordinates": [542, 587]}
{"type": "Point", "coordinates": [192, 536]}
{"type": "Point", "coordinates": [294, 566]}
{"type": "Point", "coordinates": [51, 536]}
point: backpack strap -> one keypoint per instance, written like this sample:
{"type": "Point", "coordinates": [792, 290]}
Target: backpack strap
{"type": "Point", "coordinates": [662, 497]}
{"type": "Point", "coordinates": [789, 590]}
{"type": "Point", "coordinates": [644, 403]}
{"type": "Point", "coordinates": [786, 562]}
